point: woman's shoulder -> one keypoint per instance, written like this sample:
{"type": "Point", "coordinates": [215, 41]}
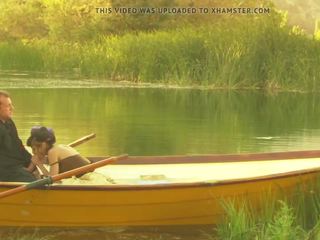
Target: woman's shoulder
{"type": "Point", "coordinates": [61, 148]}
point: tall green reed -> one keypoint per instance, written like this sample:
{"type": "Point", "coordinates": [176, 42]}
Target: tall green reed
{"type": "Point", "coordinates": [21, 56]}
{"type": "Point", "coordinates": [295, 216]}
{"type": "Point", "coordinates": [237, 53]}
{"type": "Point", "coordinates": [243, 222]}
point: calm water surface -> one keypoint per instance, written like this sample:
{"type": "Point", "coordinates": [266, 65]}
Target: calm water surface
{"type": "Point", "coordinates": [171, 121]}
{"type": "Point", "coordinates": [157, 121]}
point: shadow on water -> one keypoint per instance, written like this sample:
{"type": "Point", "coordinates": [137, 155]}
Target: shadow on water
{"type": "Point", "coordinates": [106, 233]}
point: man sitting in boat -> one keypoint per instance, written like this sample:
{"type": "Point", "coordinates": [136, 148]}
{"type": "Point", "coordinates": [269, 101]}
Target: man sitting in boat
{"type": "Point", "coordinates": [13, 156]}
{"type": "Point", "coordinates": [60, 158]}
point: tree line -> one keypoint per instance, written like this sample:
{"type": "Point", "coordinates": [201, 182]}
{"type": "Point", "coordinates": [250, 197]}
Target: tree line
{"type": "Point", "coordinates": [78, 20]}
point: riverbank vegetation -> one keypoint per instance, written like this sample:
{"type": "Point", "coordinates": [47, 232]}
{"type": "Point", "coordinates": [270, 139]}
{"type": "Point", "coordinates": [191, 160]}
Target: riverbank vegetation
{"type": "Point", "coordinates": [19, 234]}
{"type": "Point", "coordinates": [293, 218]}
{"type": "Point", "coordinates": [221, 51]}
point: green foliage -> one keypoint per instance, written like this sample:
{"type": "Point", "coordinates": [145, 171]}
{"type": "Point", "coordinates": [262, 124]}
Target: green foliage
{"type": "Point", "coordinates": [22, 56]}
{"type": "Point", "coordinates": [295, 218]}
{"type": "Point", "coordinates": [239, 223]}
{"type": "Point", "coordinates": [79, 20]}
{"type": "Point", "coordinates": [300, 12]}
{"type": "Point", "coordinates": [283, 225]}
{"type": "Point", "coordinates": [317, 29]}
{"type": "Point", "coordinates": [72, 19]}
{"type": "Point", "coordinates": [243, 222]}
{"type": "Point", "coordinates": [253, 51]}
{"type": "Point", "coordinates": [22, 19]}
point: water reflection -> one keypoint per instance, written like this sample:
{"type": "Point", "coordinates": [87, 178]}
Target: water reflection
{"type": "Point", "coordinates": [171, 121]}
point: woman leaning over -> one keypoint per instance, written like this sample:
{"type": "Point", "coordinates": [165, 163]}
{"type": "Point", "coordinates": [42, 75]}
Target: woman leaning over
{"type": "Point", "coordinates": [60, 158]}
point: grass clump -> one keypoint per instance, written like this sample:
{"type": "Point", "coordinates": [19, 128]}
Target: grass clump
{"type": "Point", "coordinates": [243, 223]}
{"type": "Point", "coordinates": [21, 235]}
{"type": "Point", "coordinates": [296, 217]}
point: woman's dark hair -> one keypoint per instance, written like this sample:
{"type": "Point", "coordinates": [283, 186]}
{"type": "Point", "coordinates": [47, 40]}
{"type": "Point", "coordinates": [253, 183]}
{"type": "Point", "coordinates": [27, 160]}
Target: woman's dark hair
{"type": "Point", "coordinates": [41, 134]}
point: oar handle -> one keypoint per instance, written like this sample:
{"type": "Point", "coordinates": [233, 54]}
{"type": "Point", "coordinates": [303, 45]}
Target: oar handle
{"type": "Point", "coordinates": [82, 140]}
{"type": "Point", "coordinates": [51, 179]}
{"type": "Point", "coordinates": [38, 183]}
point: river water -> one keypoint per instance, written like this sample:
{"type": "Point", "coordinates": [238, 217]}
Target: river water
{"type": "Point", "coordinates": [152, 120]}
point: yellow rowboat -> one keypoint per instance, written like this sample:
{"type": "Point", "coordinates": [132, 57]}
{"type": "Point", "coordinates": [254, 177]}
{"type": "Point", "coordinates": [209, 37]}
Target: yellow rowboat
{"type": "Point", "coordinates": [169, 190]}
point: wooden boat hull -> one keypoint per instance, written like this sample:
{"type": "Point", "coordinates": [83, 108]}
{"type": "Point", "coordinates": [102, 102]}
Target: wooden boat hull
{"type": "Point", "coordinates": [159, 204]}
{"type": "Point", "coordinates": [148, 205]}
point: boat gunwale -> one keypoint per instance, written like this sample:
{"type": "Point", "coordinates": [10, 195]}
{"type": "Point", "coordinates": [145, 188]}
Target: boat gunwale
{"type": "Point", "coordinates": [165, 186]}
{"type": "Point", "coordinates": [214, 158]}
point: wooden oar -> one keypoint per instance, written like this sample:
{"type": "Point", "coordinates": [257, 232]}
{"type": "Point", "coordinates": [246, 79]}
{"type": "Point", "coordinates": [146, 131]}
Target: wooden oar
{"type": "Point", "coordinates": [68, 174]}
{"type": "Point", "coordinates": [82, 140]}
